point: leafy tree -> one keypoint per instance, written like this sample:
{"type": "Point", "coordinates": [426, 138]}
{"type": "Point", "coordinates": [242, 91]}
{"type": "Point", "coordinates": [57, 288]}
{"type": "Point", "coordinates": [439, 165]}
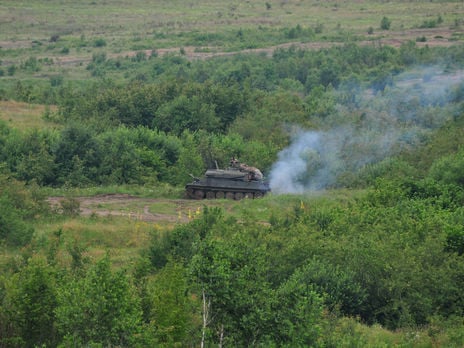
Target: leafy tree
{"type": "Point", "coordinates": [188, 163]}
{"type": "Point", "coordinates": [35, 300]}
{"type": "Point", "coordinates": [172, 307]}
{"type": "Point", "coordinates": [448, 169]}
{"type": "Point", "coordinates": [232, 276]}
{"type": "Point", "coordinates": [181, 244]}
{"type": "Point", "coordinates": [229, 102]}
{"type": "Point", "coordinates": [338, 287]}
{"type": "Point", "coordinates": [297, 313]}
{"type": "Point", "coordinates": [18, 205]}
{"type": "Point", "coordinates": [38, 167]}
{"type": "Point", "coordinates": [31, 156]}
{"type": "Point", "coordinates": [185, 113]}
{"type": "Point", "coordinates": [101, 308]}
{"type": "Point", "coordinates": [14, 230]}
{"type": "Point", "coordinates": [120, 163]}
{"type": "Point", "coordinates": [77, 154]}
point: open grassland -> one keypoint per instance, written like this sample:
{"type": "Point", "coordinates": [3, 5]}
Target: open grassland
{"type": "Point", "coordinates": [24, 116]}
{"type": "Point", "coordinates": [167, 23]}
{"type": "Point", "coordinates": [124, 238]}
{"type": "Point", "coordinates": [64, 35]}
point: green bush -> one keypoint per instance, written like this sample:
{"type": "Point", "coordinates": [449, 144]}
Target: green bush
{"type": "Point", "coordinates": [385, 23]}
{"type": "Point", "coordinates": [14, 230]}
{"type": "Point", "coordinates": [70, 207]}
{"type": "Point", "coordinates": [100, 308]}
{"type": "Point", "coordinates": [18, 206]}
{"type": "Point", "coordinates": [449, 169]}
{"type": "Point", "coordinates": [99, 42]}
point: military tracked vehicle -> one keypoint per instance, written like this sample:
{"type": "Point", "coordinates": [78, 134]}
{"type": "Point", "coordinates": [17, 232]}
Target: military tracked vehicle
{"type": "Point", "coordinates": [235, 182]}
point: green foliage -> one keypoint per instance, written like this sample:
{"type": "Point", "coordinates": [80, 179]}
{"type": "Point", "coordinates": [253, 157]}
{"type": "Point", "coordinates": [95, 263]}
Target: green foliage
{"type": "Point", "coordinates": [449, 169]}
{"type": "Point", "coordinates": [338, 287]}
{"type": "Point", "coordinates": [385, 23]}
{"type": "Point", "coordinates": [317, 274]}
{"type": "Point", "coordinates": [11, 70]}
{"type": "Point", "coordinates": [32, 158]}
{"type": "Point", "coordinates": [390, 168]}
{"type": "Point", "coordinates": [18, 205]}
{"type": "Point", "coordinates": [181, 243]}
{"type": "Point", "coordinates": [31, 64]}
{"type": "Point", "coordinates": [431, 23]}
{"type": "Point", "coordinates": [100, 308]}
{"type": "Point", "coordinates": [14, 230]}
{"type": "Point", "coordinates": [232, 274]}
{"type": "Point", "coordinates": [188, 163]}
{"type": "Point", "coordinates": [185, 113]}
{"type": "Point", "coordinates": [214, 100]}
{"type": "Point", "coordinates": [298, 314]}
{"type": "Point", "coordinates": [70, 207]}
{"type": "Point", "coordinates": [172, 314]}
{"type": "Point", "coordinates": [35, 300]}
{"type": "Point", "coordinates": [391, 255]}
{"type": "Point", "coordinates": [299, 32]}
{"type": "Point", "coordinates": [99, 42]}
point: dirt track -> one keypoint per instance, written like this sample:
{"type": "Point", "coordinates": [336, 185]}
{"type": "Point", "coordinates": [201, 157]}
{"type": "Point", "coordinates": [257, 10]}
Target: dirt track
{"type": "Point", "coordinates": [127, 206]}
{"type": "Point", "coordinates": [435, 38]}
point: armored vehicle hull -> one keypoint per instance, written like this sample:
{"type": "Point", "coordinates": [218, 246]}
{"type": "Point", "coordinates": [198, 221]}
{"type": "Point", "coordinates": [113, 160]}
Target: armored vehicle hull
{"type": "Point", "coordinates": [231, 183]}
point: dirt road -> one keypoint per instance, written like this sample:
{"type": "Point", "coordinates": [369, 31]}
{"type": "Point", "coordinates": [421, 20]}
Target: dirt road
{"type": "Point", "coordinates": [136, 208]}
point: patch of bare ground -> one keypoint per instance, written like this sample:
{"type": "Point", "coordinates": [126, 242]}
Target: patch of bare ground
{"type": "Point", "coordinates": [15, 44]}
{"type": "Point", "coordinates": [125, 205]}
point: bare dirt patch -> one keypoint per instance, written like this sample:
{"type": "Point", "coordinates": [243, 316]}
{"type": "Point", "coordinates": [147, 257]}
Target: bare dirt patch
{"type": "Point", "coordinates": [134, 208]}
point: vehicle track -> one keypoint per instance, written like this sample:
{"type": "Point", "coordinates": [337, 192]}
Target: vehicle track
{"type": "Point", "coordinates": [125, 205]}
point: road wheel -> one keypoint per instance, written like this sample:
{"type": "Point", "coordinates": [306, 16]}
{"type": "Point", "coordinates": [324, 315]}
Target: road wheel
{"type": "Point", "coordinates": [190, 193]}
{"type": "Point", "coordinates": [249, 195]}
{"type": "Point", "coordinates": [210, 195]}
{"type": "Point", "coordinates": [238, 196]}
{"type": "Point", "coordinates": [219, 195]}
{"type": "Point", "coordinates": [230, 195]}
{"type": "Point", "coordinates": [199, 194]}
{"type": "Point", "coordinates": [258, 194]}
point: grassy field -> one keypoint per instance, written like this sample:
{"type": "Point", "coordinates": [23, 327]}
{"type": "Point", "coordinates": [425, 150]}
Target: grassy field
{"type": "Point", "coordinates": [23, 115]}
{"type": "Point", "coordinates": [47, 38]}
{"type": "Point", "coordinates": [167, 22]}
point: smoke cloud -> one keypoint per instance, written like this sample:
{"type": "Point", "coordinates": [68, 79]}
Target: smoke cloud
{"type": "Point", "coordinates": [371, 127]}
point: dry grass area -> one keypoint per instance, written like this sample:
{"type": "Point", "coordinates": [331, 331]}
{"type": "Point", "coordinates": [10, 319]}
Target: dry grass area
{"type": "Point", "coordinates": [63, 35]}
{"type": "Point", "coordinates": [23, 115]}
{"type": "Point", "coordinates": [124, 224]}
{"type": "Point", "coordinates": [119, 20]}
{"type": "Point", "coordinates": [123, 24]}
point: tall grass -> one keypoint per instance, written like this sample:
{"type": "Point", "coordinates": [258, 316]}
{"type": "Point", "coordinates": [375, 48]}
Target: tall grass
{"type": "Point", "coordinates": [25, 116]}
{"type": "Point", "coordinates": [65, 32]}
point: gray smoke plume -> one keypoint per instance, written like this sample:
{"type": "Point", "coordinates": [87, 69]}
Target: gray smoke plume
{"type": "Point", "coordinates": [374, 126]}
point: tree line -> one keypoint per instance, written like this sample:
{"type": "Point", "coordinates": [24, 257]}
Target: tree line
{"type": "Point", "coordinates": [162, 128]}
